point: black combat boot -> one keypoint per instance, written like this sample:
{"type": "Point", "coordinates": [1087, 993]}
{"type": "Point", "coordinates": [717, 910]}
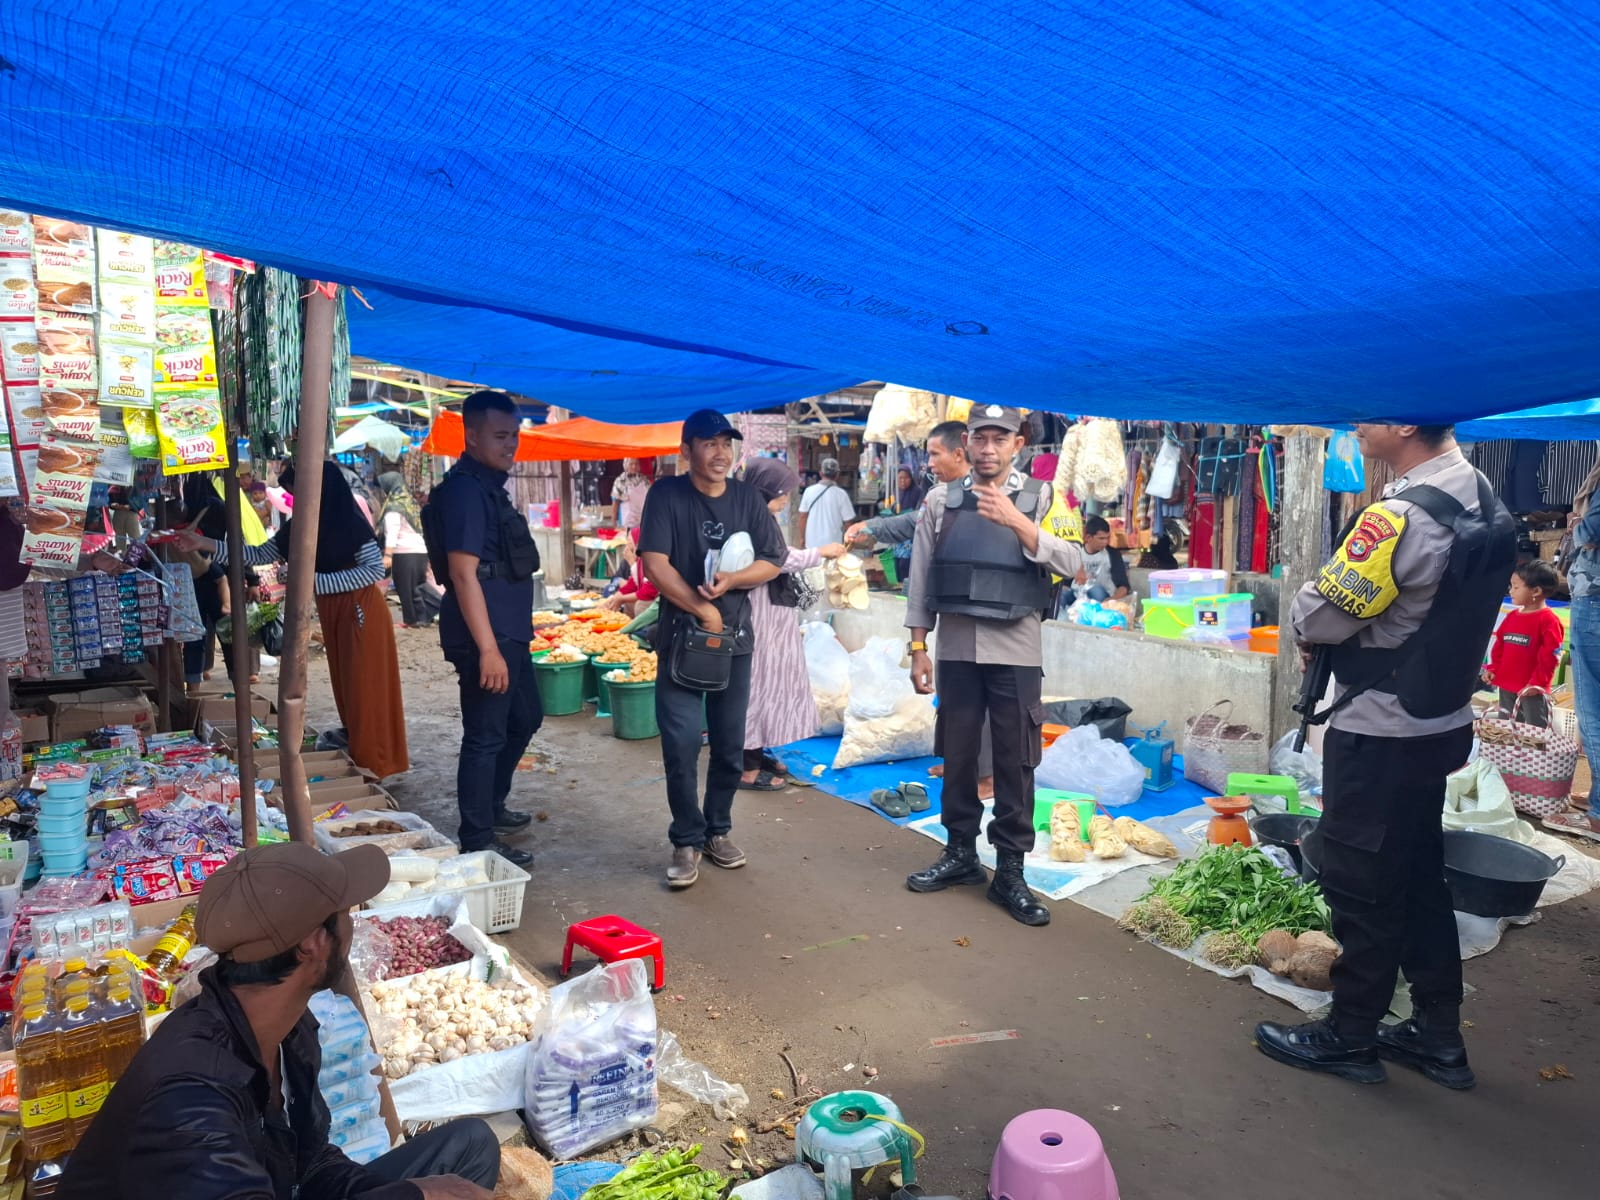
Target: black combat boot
{"type": "Point", "coordinates": [1431, 1042]}
{"type": "Point", "coordinates": [1320, 1046]}
{"type": "Point", "coordinates": [1012, 893]}
{"type": "Point", "coordinates": [957, 865]}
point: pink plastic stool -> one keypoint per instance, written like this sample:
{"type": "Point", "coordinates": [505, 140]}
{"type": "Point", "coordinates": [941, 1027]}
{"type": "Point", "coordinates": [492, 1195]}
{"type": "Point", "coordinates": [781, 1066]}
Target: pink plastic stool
{"type": "Point", "coordinates": [1048, 1154]}
{"type": "Point", "coordinates": [612, 939]}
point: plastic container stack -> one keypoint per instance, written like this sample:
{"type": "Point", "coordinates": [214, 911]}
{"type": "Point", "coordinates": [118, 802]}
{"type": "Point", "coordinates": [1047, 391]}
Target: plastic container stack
{"type": "Point", "coordinates": [64, 819]}
{"type": "Point", "coordinates": [349, 1087]}
{"type": "Point", "coordinates": [1189, 583]}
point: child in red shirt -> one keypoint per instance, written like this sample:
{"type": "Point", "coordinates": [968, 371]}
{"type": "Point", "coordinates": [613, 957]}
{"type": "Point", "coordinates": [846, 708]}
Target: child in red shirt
{"type": "Point", "coordinates": [1527, 644]}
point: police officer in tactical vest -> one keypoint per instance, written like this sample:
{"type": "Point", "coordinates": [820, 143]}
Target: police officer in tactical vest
{"type": "Point", "coordinates": [481, 550]}
{"type": "Point", "coordinates": [1403, 611]}
{"type": "Point", "coordinates": [981, 571]}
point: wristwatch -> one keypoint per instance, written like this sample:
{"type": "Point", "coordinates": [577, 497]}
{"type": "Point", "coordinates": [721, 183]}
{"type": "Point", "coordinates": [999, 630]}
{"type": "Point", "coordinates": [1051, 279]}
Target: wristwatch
{"type": "Point", "coordinates": [913, 647]}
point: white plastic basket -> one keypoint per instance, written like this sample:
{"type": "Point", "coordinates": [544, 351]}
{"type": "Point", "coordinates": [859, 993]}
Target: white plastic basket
{"type": "Point", "coordinates": [418, 833]}
{"type": "Point", "coordinates": [494, 907]}
{"type": "Point", "coordinates": [1565, 720]}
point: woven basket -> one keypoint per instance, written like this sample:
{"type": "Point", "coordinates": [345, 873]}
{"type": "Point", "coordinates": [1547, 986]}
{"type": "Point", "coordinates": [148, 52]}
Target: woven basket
{"type": "Point", "coordinates": [1536, 763]}
{"type": "Point", "coordinates": [1213, 749]}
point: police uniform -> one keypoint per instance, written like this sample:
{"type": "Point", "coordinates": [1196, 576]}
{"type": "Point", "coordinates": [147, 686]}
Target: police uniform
{"type": "Point", "coordinates": [471, 512]}
{"type": "Point", "coordinates": [974, 583]}
{"type": "Point", "coordinates": [1406, 605]}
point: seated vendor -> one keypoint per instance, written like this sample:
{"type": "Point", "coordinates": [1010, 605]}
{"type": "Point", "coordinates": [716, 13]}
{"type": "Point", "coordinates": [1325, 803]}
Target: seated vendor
{"type": "Point", "coordinates": [1104, 575]}
{"type": "Point", "coordinates": [222, 1101]}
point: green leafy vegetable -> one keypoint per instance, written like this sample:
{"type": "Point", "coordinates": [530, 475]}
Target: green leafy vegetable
{"type": "Point", "coordinates": [671, 1175]}
{"type": "Point", "coordinates": [1231, 890]}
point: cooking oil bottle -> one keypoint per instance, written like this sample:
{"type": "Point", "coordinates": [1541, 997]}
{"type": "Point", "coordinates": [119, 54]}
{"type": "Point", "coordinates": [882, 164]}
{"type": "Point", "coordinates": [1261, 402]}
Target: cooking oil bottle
{"type": "Point", "coordinates": [41, 1085]}
{"type": "Point", "coordinates": [178, 940]}
{"type": "Point", "coordinates": [83, 1055]}
{"type": "Point", "coordinates": [122, 1029]}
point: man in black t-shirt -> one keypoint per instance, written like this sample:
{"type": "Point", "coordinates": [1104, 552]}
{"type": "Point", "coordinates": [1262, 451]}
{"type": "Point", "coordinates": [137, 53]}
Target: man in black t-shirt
{"type": "Point", "coordinates": [685, 518]}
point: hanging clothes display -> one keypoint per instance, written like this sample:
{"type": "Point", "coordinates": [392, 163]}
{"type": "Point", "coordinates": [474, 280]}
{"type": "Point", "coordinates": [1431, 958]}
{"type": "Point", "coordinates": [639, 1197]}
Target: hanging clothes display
{"type": "Point", "coordinates": [1562, 471]}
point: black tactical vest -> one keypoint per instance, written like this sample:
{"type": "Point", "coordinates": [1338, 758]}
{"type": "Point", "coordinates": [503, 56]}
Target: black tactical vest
{"type": "Point", "coordinates": [979, 569]}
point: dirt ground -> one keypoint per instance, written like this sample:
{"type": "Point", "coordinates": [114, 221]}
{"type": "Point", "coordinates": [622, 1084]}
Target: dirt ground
{"type": "Point", "coordinates": [816, 949]}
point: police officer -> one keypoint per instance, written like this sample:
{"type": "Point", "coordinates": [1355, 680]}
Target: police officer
{"type": "Point", "coordinates": [1403, 612]}
{"type": "Point", "coordinates": [980, 570]}
{"type": "Point", "coordinates": [482, 551]}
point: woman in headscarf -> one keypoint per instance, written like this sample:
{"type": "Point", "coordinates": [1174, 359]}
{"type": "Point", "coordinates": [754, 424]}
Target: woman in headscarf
{"type": "Point", "coordinates": [356, 627]}
{"type": "Point", "coordinates": [781, 708]}
{"type": "Point", "coordinates": [908, 499]}
{"type": "Point", "coordinates": [405, 554]}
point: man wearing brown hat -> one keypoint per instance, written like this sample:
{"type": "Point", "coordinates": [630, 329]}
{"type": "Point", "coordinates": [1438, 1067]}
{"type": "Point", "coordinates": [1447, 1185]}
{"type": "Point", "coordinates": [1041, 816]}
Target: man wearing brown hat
{"type": "Point", "coordinates": [223, 1099]}
{"type": "Point", "coordinates": [980, 569]}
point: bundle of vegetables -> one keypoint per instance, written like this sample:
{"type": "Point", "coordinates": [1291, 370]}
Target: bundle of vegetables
{"type": "Point", "coordinates": [672, 1175]}
{"type": "Point", "coordinates": [420, 944]}
{"type": "Point", "coordinates": [1235, 893]}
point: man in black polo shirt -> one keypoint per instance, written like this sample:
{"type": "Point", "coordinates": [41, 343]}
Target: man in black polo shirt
{"type": "Point", "coordinates": [486, 620]}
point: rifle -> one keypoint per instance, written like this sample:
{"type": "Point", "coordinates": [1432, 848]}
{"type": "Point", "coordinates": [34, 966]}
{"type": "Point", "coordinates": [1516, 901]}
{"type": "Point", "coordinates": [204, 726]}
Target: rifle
{"type": "Point", "coordinates": [1313, 686]}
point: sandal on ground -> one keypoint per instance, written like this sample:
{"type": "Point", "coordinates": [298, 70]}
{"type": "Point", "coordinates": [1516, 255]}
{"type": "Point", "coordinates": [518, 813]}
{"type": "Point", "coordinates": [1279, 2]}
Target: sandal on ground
{"type": "Point", "coordinates": [782, 773]}
{"type": "Point", "coordinates": [916, 796]}
{"type": "Point", "coordinates": [763, 782]}
{"type": "Point", "coordinates": [1576, 823]}
{"type": "Point", "coordinates": [890, 802]}
{"type": "Point", "coordinates": [936, 771]}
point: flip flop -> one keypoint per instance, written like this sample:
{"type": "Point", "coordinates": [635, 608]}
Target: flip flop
{"type": "Point", "coordinates": [779, 771]}
{"type": "Point", "coordinates": [890, 802]}
{"type": "Point", "coordinates": [1575, 823]}
{"type": "Point", "coordinates": [763, 782]}
{"type": "Point", "coordinates": [916, 796]}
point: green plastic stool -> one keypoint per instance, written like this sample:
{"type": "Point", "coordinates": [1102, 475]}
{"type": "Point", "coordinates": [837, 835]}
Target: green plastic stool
{"type": "Point", "coordinates": [853, 1131]}
{"type": "Point", "coordinates": [1045, 801]}
{"type": "Point", "coordinates": [1242, 784]}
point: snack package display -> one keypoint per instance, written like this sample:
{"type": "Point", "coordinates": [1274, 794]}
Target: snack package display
{"type": "Point", "coordinates": [192, 434]}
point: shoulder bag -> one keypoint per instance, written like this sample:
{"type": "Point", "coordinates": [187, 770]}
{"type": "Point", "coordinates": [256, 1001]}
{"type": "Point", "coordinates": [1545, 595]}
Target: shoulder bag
{"type": "Point", "coordinates": [700, 660]}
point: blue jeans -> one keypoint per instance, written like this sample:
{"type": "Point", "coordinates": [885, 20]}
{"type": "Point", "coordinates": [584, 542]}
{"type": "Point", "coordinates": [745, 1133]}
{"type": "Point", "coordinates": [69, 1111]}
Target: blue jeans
{"type": "Point", "coordinates": [495, 731]}
{"type": "Point", "coordinates": [1585, 635]}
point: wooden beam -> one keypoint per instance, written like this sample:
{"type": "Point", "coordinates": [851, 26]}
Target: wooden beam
{"type": "Point", "coordinates": [1301, 500]}
{"type": "Point", "coordinates": [569, 552]}
{"type": "Point", "coordinates": [311, 447]}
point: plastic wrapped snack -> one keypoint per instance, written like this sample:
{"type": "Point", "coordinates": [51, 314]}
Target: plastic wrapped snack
{"type": "Point", "coordinates": [1144, 839]}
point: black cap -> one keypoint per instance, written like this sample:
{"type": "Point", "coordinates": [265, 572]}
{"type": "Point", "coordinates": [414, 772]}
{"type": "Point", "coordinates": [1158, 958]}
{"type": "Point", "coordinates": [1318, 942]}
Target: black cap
{"type": "Point", "coordinates": [708, 423]}
{"type": "Point", "coordinates": [983, 415]}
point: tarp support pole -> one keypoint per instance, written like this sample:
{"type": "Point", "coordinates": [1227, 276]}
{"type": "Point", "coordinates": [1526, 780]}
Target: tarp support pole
{"type": "Point", "coordinates": [245, 751]}
{"type": "Point", "coordinates": [1300, 500]}
{"type": "Point", "coordinates": [569, 552]}
{"type": "Point", "coordinates": [316, 375]}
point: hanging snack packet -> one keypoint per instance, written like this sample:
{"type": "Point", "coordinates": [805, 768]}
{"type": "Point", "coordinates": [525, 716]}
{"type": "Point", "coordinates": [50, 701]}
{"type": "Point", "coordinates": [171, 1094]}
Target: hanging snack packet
{"type": "Point", "coordinates": [50, 536]}
{"type": "Point", "coordinates": [128, 313]}
{"type": "Point", "coordinates": [180, 275]}
{"type": "Point", "coordinates": [126, 258]}
{"type": "Point", "coordinates": [18, 296]}
{"type": "Point", "coordinates": [16, 232]}
{"type": "Point", "coordinates": [19, 350]}
{"type": "Point", "coordinates": [184, 354]}
{"type": "Point", "coordinates": [127, 375]}
{"type": "Point", "coordinates": [192, 432]}
{"type": "Point", "coordinates": [65, 472]}
{"type": "Point", "coordinates": [140, 426]}
{"type": "Point", "coordinates": [63, 263]}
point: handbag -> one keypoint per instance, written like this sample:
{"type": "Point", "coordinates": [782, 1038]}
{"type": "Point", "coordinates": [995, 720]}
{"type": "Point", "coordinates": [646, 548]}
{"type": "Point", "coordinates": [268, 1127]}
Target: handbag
{"type": "Point", "coordinates": [1536, 763]}
{"type": "Point", "coordinates": [795, 590]}
{"type": "Point", "coordinates": [1213, 749]}
{"type": "Point", "coordinates": [700, 660]}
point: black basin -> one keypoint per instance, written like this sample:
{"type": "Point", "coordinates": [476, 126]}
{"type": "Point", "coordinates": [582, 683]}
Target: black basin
{"type": "Point", "coordinates": [1493, 876]}
{"type": "Point", "coordinates": [1488, 876]}
{"type": "Point", "coordinates": [1283, 830]}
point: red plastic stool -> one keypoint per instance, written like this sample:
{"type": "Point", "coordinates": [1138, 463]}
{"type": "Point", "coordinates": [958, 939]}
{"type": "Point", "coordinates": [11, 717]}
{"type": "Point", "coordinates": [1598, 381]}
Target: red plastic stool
{"type": "Point", "coordinates": [612, 939]}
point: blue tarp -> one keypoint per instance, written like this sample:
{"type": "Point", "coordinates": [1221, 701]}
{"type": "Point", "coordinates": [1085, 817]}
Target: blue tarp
{"type": "Point", "coordinates": [1578, 421]}
{"type": "Point", "coordinates": [1251, 211]}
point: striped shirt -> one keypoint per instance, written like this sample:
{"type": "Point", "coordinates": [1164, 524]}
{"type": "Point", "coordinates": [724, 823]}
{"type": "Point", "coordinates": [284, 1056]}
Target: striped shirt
{"type": "Point", "coordinates": [367, 571]}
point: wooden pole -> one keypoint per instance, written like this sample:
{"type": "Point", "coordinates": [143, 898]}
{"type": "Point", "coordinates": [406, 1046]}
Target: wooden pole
{"type": "Point", "coordinates": [245, 754]}
{"type": "Point", "coordinates": [310, 449]}
{"type": "Point", "coordinates": [569, 552]}
{"type": "Point", "coordinates": [1300, 503]}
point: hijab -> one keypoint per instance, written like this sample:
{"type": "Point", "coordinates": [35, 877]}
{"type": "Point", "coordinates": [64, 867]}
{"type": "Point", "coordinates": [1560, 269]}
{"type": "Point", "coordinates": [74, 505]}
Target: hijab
{"type": "Point", "coordinates": [341, 529]}
{"type": "Point", "coordinates": [911, 498]}
{"type": "Point", "coordinates": [771, 478]}
{"type": "Point", "coordinates": [397, 498]}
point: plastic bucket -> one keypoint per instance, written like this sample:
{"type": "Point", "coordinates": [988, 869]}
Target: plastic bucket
{"type": "Point", "coordinates": [560, 686]}
{"type": "Point", "coordinates": [633, 710]}
{"type": "Point", "coordinates": [890, 575]}
{"type": "Point", "coordinates": [601, 687]}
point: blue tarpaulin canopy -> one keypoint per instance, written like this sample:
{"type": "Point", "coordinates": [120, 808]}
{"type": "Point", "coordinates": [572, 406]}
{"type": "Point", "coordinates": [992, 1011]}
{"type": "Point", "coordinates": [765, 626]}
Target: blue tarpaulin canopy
{"type": "Point", "coordinates": [1578, 421]}
{"type": "Point", "coordinates": [1250, 211]}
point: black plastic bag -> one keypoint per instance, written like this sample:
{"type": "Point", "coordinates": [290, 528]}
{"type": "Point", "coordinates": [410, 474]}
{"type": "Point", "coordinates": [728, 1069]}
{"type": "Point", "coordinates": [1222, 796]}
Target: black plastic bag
{"type": "Point", "coordinates": [271, 636]}
{"type": "Point", "coordinates": [1107, 714]}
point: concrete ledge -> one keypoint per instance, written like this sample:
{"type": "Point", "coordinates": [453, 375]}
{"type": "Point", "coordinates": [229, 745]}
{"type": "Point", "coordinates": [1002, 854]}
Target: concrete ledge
{"type": "Point", "coordinates": [1162, 679]}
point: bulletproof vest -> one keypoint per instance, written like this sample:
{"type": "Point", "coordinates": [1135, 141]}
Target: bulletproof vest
{"type": "Point", "coordinates": [1435, 671]}
{"type": "Point", "coordinates": [978, 568]}
{"type": "Point", "coordinates": [519, 557]}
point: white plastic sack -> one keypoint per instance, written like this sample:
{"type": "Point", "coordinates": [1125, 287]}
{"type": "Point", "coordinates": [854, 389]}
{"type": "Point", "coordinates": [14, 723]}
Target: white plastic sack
{"type": "Point", "coordinates": [1476, 798]}
{"type": "Point", "coordinates": [900, 412]}
{"type": "Point", "coordinates": [1164, 475]}
{"type": "Point", "coordinates": [1302, 766]}
{"type": "Point", "coordinates": [906, 732]}
{"type": "Point", "coordinates": [828, 665]}
{"type": "Point", "coordinates": [878, 683]}
{"type": "Point", "coordinates": [591, 1077]}
{"type": "Point", "coordinates": [1080, 760]}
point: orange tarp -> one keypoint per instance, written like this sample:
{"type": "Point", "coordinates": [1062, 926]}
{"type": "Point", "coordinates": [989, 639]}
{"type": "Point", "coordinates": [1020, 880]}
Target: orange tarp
{"type": "Point", "coordinates": [578, 438]}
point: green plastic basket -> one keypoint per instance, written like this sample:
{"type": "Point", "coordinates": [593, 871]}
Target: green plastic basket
{"type": "Point", "coordinates": [601, 687]}
{"type": "Point", "coordinates": [560, 686]}
{"type": "Point", "coordinates": [633, 710]}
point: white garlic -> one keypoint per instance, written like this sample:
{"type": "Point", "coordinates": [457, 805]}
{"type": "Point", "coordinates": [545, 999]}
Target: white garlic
{"type": "Point", "coordinates": [450, 1055]}
{"type": "Point", "coordinates": [477, 1043]}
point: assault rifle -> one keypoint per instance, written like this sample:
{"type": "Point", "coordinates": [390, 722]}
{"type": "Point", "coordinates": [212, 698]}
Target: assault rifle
{"type": "Point", "coordinates": [1313, 686]}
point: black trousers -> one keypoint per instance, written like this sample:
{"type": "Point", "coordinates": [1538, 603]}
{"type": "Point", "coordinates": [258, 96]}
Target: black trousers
{"type": "Point", "coordinates": [467, 1147]}
{"type": "Point", "coordinates": [679, 716]}
{"type": "Point", "coordinates": [495, 731]}
{"type": "Point", "coordinates": [1382, 851]}
{"type": "Point", "coordinates": [1008, 699]}
{"type": "Point", "coordinates": [410, 573]}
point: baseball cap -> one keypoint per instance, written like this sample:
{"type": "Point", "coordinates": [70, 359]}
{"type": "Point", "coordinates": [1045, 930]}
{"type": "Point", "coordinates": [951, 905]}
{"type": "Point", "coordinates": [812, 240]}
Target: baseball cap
{"type": "Point", "coordinates": [269, 898]}
{"type": "Point", "coordinates": [983, 415]}
{"type": "Point", "coordinates": [708, 423]}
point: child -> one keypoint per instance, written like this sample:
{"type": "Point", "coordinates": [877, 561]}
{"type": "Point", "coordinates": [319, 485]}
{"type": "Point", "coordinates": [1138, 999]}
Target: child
{"type": "Point", "coordinates": [1527, 645]}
